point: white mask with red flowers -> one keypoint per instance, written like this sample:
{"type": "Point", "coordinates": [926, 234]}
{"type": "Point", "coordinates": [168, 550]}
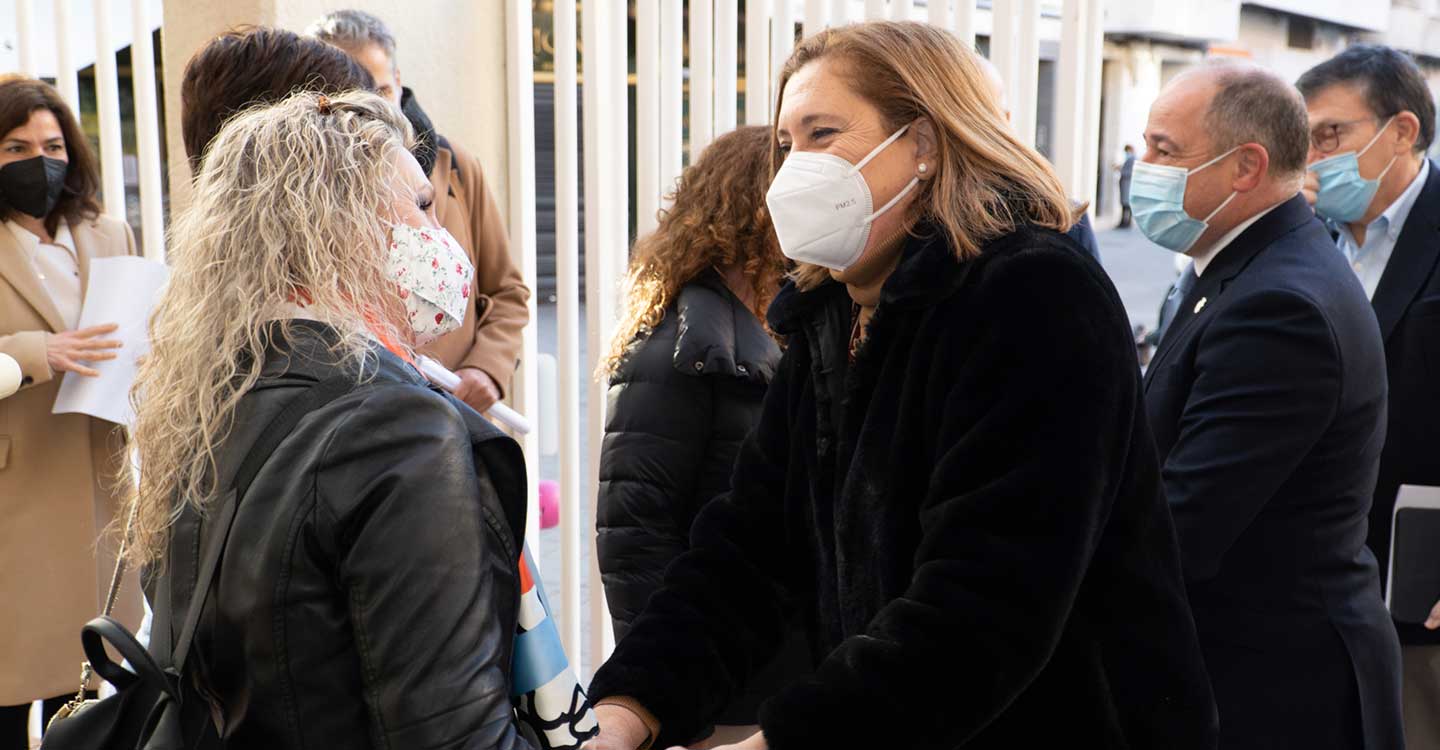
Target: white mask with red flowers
{"type": "Point", "coordinates": [433, 276]}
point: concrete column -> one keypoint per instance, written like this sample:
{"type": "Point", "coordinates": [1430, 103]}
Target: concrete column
{"type": "Point", "coordinates": [450, 52]}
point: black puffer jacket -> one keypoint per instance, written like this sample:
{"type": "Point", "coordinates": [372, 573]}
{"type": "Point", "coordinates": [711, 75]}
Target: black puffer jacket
{"type": "Point", "coordinates": [680, 406]}
{"type": "Point", "coordinates": [973, 524]}
{"type": "Point", "coordinates": [369, 591]}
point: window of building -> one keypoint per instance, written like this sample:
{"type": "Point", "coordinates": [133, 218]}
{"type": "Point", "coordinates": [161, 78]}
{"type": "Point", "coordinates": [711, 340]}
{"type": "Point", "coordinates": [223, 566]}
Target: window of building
{"type": "Point", "coordinates": [1301, 33]}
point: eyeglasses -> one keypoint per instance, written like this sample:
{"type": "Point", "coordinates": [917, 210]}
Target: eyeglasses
{"type": "Point", "coordinates": [1326, 138]}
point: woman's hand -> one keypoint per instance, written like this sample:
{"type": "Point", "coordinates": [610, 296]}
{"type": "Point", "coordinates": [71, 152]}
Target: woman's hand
{"type": "Point", "coordinates": [477, 389]}
{"type": "Point", "coordinates": [620, 729]}
{"type": "Point", "coordinates": [65, 351]}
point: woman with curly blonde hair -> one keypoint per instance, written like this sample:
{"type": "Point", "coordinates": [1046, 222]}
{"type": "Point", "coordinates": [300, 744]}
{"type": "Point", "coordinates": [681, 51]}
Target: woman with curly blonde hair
{"type": "Point", "coordinates": [366, 589]}
{"type": "Point", "coordinates": [688, 370]}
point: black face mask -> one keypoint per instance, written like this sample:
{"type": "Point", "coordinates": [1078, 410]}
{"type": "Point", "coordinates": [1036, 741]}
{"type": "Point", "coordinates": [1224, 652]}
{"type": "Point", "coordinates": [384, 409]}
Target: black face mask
{"type": "Point", "coordinates": [33, 186]}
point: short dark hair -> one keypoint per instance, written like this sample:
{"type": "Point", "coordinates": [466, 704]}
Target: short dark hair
{"type": "Point", "coordinates": [1388, 78]}
{"type": "Point", "coordinates": [1254, 105]}
{"type": "Point", "coordinates": [257, 65]}
{"type": "Point", "coordinates": [21, 97]}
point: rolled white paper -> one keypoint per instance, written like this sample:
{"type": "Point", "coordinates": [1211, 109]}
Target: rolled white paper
{"type": "Point", "coordinates": [9, 375]}
{"type": "Point", "coordinates": [443, 377]}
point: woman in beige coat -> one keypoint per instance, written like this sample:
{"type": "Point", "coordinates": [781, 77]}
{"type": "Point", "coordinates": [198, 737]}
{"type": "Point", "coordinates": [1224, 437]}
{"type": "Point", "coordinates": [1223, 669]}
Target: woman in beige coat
{"type": "Point", "coordinates": [55, 470]}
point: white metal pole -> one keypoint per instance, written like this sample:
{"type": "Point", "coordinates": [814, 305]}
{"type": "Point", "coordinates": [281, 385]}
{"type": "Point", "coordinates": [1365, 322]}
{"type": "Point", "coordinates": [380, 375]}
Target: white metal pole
{"type": "Point", "coordinates": [147, 131]}
{"type": "Point", "coordinates": [904, 10]}
{"type": "Point", "coordinates": [107, 94]}
{"type": "Point", "coordinates": [757, 62]}
{"type": "Point", "coordinates": [727, 30]}
{"type": "Point", "coordinates": [1069, 95]}
{"type": "Point", "coordinates": [965, 22]}
{"type": "Point", "coordinates": [815, 16]}
{"type": "Point", "coordinates": [875, 10]}
{"type": "Point", "coordinates": [1002, 46]}
{"type": "Point", "coordinates": [702, 61]}
{"type": "Point", "coordinates": [647, 115]}
{"type": "Point", "coordinates": [520, 93]}
{"type": "Point", "coordinates": [25, 31]}
{"type": "Point", "coordinates": [939, 13]}
{"type": "Point", "coordinates": [66, 79]}
{"type": "Point", "coordinates": [1094, 69]}
{"type": "Point", "coordinates": [567, 282]}
{"type": "Point", "coordinates": [783, 43]}
{"type": "Point", "coordinates": [672, 95]}
{"type": "Point", "coordinates": [1027, 70]}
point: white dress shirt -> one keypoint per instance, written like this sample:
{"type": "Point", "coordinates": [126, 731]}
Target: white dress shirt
{"type": "Point", "coordinates": [1203, 259]}
{"type": "Point", "coordinates": [1370, 259]}
{"type": "Point", "coordinates": [58, 267]}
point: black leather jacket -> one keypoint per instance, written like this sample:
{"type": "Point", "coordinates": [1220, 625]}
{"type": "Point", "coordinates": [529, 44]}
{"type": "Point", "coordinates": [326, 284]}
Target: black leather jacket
{"type": "Point", "coordinates": [369, 592]}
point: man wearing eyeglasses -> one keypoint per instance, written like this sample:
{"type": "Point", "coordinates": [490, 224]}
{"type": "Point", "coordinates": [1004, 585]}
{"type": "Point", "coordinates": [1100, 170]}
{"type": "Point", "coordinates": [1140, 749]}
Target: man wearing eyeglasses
{"type": "Point", "coordinates": [1372, 120]}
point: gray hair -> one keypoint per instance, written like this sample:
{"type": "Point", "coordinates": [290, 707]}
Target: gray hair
{"type": "Point", "coordinates": [352, 30]}
{"type": "Point", "coordinates": [1254, 105]}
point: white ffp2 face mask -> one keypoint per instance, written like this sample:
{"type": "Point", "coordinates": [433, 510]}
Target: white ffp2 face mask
{"type": "Point", "coordinates": [822, 208]}
{"type": "Point", "coordinates": [433, 276]}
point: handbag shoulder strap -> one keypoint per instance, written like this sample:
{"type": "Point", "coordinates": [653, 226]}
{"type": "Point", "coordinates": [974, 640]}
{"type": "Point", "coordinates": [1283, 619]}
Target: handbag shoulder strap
{"type": "Point", "coordinates": [312, 398]}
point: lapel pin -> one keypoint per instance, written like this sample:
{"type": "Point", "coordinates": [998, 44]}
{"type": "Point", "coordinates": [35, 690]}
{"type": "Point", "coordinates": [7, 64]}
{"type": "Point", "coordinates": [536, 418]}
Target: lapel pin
{"type": "Point", "coordinates": [1201, 305]}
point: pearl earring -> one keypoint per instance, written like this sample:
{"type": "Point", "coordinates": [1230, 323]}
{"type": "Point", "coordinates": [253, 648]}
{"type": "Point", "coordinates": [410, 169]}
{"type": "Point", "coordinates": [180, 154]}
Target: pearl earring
{"type": "Point", "coordinates": [924, 168]}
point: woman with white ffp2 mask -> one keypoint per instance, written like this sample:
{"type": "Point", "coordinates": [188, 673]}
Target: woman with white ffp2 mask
{"type": "Point", "coordinates": [933, 492]}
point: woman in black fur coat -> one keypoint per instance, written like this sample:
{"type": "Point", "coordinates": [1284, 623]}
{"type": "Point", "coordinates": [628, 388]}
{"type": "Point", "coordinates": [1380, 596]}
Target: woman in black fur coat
{"type": "Point", "coordinates": [952, 479]}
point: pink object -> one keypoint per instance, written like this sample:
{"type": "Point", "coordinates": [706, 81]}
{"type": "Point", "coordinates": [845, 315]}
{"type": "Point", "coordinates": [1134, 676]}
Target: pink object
{"type": "Point", "coordinates": [549, 503]}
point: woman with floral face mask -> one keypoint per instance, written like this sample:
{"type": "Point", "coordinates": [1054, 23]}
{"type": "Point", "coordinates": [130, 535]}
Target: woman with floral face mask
{"type": "Point", "coordinates": [971, 523]}
{"type": "Point", "coordinates": [366, 593]}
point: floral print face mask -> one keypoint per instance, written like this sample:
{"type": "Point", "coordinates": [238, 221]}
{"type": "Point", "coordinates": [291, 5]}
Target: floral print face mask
{"type": "Point", "coordinates": [433, 276]}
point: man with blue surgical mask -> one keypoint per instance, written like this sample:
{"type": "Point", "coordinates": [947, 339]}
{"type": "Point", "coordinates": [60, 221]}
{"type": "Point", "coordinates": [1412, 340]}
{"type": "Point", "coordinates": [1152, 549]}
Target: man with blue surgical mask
{"type": "Point", "coordinates": [1267, 401]}
{"type": "Point", "coordinates": [1371, 122]}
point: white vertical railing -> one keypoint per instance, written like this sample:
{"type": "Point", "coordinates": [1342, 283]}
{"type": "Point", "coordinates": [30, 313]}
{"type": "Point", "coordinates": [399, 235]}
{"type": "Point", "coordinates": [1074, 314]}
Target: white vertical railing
{"type": "Point", "coordinates": [816, 16]}
{"type": "Point", "coordinates": [1068, 143]}
{"type": "Point", "coordinates": [903, 10]}
{"type": "Point", "coordinates": [1002, 45]}
{"type": "Point", "coordinates": [107, 98]}
{"type": "Point", "coordinates": [66, 80]}
{"type": "Point", "coordinates": [1094, 61]}
{"type": "Point", "coordinates": [964, 25]}
{"type": "Point", "coordinates": [782, 43]}
{"type": "Point", "coordinates": [839, 13]}
{"type": "Point", "coordinates": [939, 13]}
{"type": "Point", "coordinates": [1025, 89]}
{"type": "Point", "coordinates": [727, 30]}
{"type": "Point", "coordinates": [147, 131]}
{"type": "Point", "coordinates": [567, 291]}
{"type": "Point", "coordinates": [647, 115]}
{"type": "Point", "coordinates": [24, 31]}
{"type": "Point", "coordinates": [520, 93]}
{"type": "Point", "coordinates": [875, 10]}
{"type": "Point", "coordinates": [672, 94]}
{"type": "Point", "coordinates": [757, 61]}
{"type": "Point", "coordinates": [702, 113]}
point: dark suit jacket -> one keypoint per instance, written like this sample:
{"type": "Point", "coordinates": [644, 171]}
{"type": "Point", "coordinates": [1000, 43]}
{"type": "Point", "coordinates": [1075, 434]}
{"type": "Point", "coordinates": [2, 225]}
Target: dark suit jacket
{"type": "Point", "coordinates": [1407, 303]}
{"type": "Point", "coordinates": [1084, 235]}
{"type": "Point", "coordinates": [1267, 400]}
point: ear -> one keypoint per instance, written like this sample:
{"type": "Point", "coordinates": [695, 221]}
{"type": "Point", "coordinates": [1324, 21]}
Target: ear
{"type": "Point", "coordinates": [1250, 168]}
{"type": "Point", "coordinates": [926, 145]}
{"type": "Point", "coordinates": [1407, 131]}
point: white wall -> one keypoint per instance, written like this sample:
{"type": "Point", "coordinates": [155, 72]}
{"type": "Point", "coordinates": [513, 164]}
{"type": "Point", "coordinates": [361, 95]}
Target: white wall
{"type": "Point", "coordinates": [1264, 35]}
{"type": "Point", "coordinates": [1180, 20]}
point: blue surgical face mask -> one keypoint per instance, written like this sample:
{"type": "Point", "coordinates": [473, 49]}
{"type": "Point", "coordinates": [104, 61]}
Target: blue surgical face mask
{"type": "Point", "coordinates": [1344, 195]}
{"type": "Point", "coordinates": [1157, 202]}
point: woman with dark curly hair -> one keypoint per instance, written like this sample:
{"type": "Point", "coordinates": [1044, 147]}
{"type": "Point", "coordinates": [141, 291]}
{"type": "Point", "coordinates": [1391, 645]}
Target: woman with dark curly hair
{"type": "Point", "coordinates": [688, 369]}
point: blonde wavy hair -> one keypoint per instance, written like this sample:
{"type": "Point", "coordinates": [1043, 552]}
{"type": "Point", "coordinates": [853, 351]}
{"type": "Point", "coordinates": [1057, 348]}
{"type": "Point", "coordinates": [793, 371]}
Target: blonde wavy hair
{"type": "Point", "coordinates": [986, 181]}
{"type": "Point", "coordinates": [288, 206]}
{"type": "Point", "coordinates": [717, 218]}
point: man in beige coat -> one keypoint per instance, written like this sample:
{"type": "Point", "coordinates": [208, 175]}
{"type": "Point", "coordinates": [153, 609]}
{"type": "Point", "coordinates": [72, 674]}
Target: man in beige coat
{"type": "Point", "coordinates": [486, 349]}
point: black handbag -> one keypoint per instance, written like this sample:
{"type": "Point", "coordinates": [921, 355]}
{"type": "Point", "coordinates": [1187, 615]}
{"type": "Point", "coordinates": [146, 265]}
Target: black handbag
{"type": "Point", "coordinates": [145, 713]}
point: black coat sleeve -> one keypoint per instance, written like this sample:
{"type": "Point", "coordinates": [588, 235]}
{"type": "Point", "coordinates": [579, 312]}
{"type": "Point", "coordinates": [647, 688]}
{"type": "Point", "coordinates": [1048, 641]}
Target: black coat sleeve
{"type": "Point", "coordinates": [721, 612]}
{"type": "Point", "coordinates": [1267, 377]}
{"type": "Point", "coordinates": [1031, 450]}
{"type": "Point", "coordinates": [433, 652]}
{"type": "Point", "coordinates": [650, 464]}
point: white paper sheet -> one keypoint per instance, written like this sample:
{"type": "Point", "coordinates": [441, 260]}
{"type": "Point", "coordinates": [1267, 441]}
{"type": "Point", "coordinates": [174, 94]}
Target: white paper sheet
{"type": "Point", "coordinates": [121, 291]}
